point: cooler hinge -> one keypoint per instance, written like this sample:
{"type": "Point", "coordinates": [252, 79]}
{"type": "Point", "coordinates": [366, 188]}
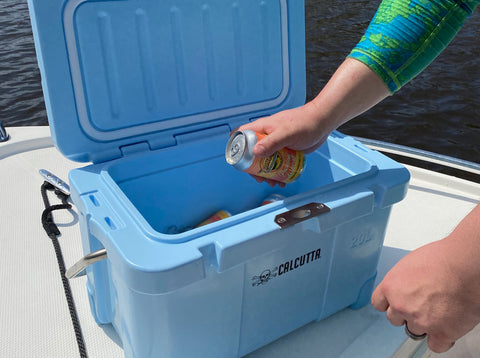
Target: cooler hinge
{"type": "Point", "coordinates": [134, 148]}
{"type": "Point", "coordinates": [204, 134]}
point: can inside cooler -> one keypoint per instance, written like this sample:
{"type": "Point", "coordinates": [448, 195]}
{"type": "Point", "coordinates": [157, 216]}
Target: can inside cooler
{"type": "Point", "coordinates": [183, 189]}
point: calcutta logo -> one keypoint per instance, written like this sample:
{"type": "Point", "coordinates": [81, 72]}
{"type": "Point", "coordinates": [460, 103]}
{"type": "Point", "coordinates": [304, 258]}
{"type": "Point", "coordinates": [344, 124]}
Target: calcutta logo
{"type": "Point", "coordinates": [268, 274]}
{"type": "Point", "coordinates": [264, 277]}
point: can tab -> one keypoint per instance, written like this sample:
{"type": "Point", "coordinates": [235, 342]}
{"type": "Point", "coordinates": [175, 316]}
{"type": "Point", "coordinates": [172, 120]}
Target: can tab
{"type": "Point", "coordinates": [300, 214]}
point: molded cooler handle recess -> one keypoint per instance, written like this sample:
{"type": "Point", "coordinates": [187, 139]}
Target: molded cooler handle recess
{"type": "Point", "coordinates": [87, 260]}
{"type": "Point", "coordinates": [300, 214]}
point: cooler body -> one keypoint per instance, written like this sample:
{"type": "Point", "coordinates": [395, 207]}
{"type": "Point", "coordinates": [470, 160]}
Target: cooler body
{"type": "Point", "coordinates": [232, 286]}
{"type": "Point", "coordinates": [149, 91]}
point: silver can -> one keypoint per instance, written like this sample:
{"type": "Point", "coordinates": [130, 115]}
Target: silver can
{"type": "Point", "coordinates": [285, 165]}
{"type": "Point", "coordinates": [239, 152]}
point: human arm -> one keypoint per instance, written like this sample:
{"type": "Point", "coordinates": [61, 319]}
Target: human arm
{"type": "Point", "coordinates": [436, 288]}
{"type": "Point", "coordinates": [402, 39]}
{"type": "Point", "coordinates": [405, 36]}
{"type": "Point", "coordinates": [353, 89]}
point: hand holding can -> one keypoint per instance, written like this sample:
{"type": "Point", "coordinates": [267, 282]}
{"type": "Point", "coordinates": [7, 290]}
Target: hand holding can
{"type": "Point", "coordinates": [284, 166]}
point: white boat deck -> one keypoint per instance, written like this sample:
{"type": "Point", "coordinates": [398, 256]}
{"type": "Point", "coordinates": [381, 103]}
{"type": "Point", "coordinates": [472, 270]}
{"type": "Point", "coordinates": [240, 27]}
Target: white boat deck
{"type": "Point", "coordinates": [35, 317]}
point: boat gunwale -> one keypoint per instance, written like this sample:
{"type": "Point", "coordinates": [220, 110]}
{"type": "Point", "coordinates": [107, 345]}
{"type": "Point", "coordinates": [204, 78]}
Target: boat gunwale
{"type": "Point", "coordinates": [420, 154]}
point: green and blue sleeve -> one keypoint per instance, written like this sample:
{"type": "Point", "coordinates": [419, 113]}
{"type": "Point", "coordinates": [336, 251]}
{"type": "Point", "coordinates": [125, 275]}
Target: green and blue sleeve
{"type": "Point", "coordinates": [405, 36]}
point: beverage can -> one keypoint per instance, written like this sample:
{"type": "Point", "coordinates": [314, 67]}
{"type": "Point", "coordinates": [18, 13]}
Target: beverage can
{"type": "Point", "coordinates": [219, 215]}
{"type": "Point", "coordinates": [284, 166]}
{"type": "Point", "coordinates": [272, 198]}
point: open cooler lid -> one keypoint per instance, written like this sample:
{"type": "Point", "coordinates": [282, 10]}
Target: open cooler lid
{"type": "Point", "coordinates": [120, 72]}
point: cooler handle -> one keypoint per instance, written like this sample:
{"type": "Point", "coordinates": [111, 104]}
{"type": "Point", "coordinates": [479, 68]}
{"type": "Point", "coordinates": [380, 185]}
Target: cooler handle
{"type": "Point", "coordinates": [87, 260]}
{"type": "Point", "coordinates": [300, 214]}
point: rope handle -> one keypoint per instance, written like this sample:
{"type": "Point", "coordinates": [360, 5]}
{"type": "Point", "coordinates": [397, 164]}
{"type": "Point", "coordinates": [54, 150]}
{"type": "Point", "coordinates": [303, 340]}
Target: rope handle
{"type": "Point", "coordinates": [53, 232]}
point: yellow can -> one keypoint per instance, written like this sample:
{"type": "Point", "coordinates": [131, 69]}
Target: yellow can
{"type": "Point", "coordinates": [219, 215]}
{"type": "Point", "coordinates": [284, 166]}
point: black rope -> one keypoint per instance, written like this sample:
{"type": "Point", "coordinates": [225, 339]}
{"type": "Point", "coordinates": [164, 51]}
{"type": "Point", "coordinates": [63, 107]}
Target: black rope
{"type": "Point", "coordinates": [52, 232]}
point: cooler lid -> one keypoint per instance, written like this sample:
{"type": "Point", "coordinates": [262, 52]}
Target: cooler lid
{"type": "Point", "coordinates": [120, 72]}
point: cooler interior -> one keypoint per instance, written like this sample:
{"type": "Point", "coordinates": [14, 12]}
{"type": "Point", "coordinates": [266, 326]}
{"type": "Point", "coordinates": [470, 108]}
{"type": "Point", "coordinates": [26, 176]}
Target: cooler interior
{"type": "Point", "coordinates": [181, 186]}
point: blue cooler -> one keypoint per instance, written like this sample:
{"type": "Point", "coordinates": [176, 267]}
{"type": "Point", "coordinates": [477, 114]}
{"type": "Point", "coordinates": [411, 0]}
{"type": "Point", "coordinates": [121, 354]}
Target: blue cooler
{"type": "Point", "coordinates": [148, 91]}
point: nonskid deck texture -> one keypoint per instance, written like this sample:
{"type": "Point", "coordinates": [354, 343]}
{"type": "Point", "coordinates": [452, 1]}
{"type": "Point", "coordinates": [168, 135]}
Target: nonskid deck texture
{"type": "Point", "coordinates": [35, 318]}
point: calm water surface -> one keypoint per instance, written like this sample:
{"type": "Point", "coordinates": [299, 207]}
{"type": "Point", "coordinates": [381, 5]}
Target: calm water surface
{"type": "Point", "coordinates": [438, 111]}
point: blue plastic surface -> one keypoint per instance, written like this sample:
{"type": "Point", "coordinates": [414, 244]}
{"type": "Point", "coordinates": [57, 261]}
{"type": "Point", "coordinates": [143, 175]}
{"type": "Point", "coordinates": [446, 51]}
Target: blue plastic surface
{"type": "Point", "coordinates": [119, 72]}
{"type": "Point", "coordinates": [234, 285]}
{"type": "Point", "coordinates": [149, 90]}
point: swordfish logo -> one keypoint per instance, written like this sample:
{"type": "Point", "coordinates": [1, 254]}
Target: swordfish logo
{"type": "Point", "coordinates": [290, 265]}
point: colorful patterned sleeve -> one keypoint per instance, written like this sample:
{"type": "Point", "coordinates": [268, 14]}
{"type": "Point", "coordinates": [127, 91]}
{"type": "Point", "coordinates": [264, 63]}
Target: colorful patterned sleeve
{"type": "Point", "coordinates": [405, 36]}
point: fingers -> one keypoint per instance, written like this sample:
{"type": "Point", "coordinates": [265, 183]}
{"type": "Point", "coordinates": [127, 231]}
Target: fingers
{"type": "Point", "coordinates": [278, 134]}
{"type": "Point", "coordinates": [270, 144]}
{"type": "Point", "coordinates": [395, 318]}
{"type": "Point", "coordinates": [270, 182]}
{"type": "Point", "coordinates": [379, 300]}
{"type": "Point", "coordinates": [380, 303]}
{"type": "Point", "coordinates": [266, 146]}
{"type": "Point", "coordinates": [260, 125]}
{"type": "Point", "coordinates": [436, 343]}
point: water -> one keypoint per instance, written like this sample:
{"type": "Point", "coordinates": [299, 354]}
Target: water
{"type": "Point", "coordinates": [438, 111]}
{"type": "Point", "coordinates": [21, 98]}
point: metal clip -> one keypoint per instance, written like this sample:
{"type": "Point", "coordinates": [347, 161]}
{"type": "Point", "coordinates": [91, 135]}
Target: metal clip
{"type": "Point", "coordinates": [55, 181]}
{"type": "Point", "coordinates": [4, 136]}
{"type": "Point", "coordinates": [300, 214]}
{"type": "Point", "coordinates": [81, 265]}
